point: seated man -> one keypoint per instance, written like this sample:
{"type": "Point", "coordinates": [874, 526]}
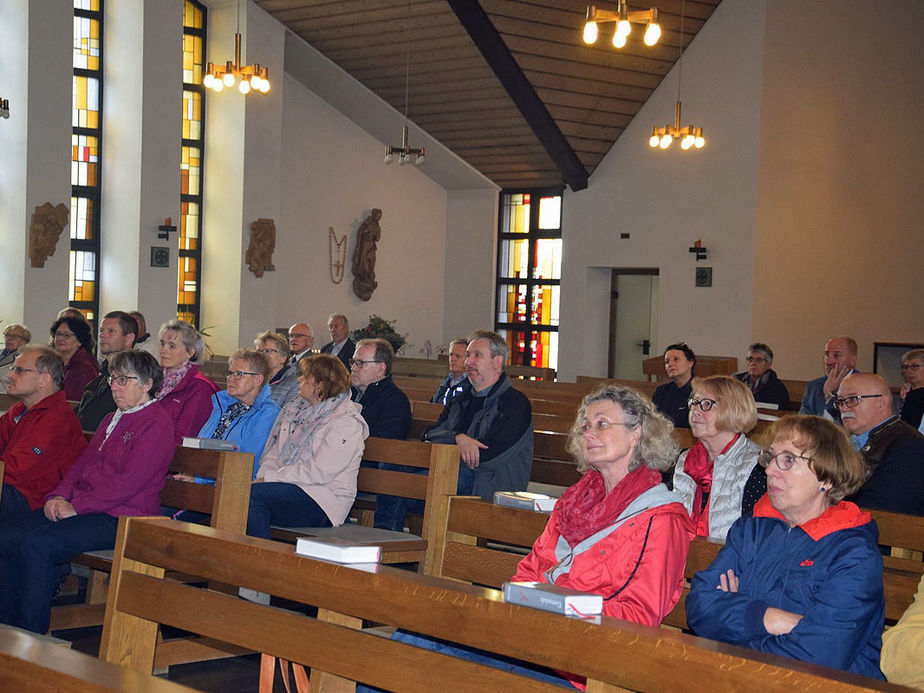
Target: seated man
{"type": "Point", "coordinates": [492, 424]}
{"type": "Point", "coordinates": [455, 382]}
{"type": "Point", "coordinates": [893, 450]}
{"type": "Point", "coordinates": [340, 344]}
{"type": "Point", "coordinates": [15, 337]}
{"type": "Point", "coordinates": [40, 436]}
{"type": "Point", "coordinates": [301, 339]}
{"type": "Point", "coordinates": [116, 333]}
{"type": "Point", "coordinates": [761, 378]}
{"type": "Point", "coordinates": [144, 341]}
{"type": "Point", "coordinates": [840, 360]}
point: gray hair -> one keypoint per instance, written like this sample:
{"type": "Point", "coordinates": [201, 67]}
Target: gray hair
{"type": "Point", "coordinates": [188, 335]}
{"type": "Point", "coordinates": [47, 360]}
{"type": "Point", "coordinates": [384, 351]}
{"type": "Point", "coordinates": [346, 320]}
{"type": "Point", "coordinates": [18, 330]}
{"type": "Point", "coordinates": [281, 343]}
{"type": "Point", "coordinates": [763, 349]}
{"type": "Point", "coordinates": [498, 344]}
{"type": "Point", "coordinates": [656, 448]}
{"type": "Point", "coordinates": [140, 364]}
{"type": "Point", "coordinates": [256, 361]}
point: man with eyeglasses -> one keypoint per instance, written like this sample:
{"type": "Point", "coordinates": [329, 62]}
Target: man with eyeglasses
{"type": "Point", "coordinates": [117, 333]}
{"type": "Point", "coordinates": [301, 339]}
{"type": "Point", "coordinates": [893, 450]}
{"type": "Point", "coordinates": [840, 360]}
{"type": "Point", "coordinates": [40, 435]}
{"type": "Point", "coordinates": [761, 379]}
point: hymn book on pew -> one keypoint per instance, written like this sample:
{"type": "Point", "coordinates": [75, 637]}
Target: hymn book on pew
{"type": "Point", "coordinates": [558, 600]}
{"type": "Point", "coordinates": [209, 444]}
{"type": "Point", "coordinates": [337, 550]}
{"type": "Point", "coordinates": [538, 502]}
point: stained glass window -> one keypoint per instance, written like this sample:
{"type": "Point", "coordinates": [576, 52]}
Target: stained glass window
{"type": "Point", "coordinates": [529, 275]}
{"type": "Point", "coordinates": [86, 141]}
{"type": "Point", "coordinates": [193, 139]}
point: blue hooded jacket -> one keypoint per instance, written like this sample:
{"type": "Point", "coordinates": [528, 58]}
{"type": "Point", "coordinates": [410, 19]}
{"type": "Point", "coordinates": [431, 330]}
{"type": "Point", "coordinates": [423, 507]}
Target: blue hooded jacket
{"type": "Point", "coordinates": [249, 431]}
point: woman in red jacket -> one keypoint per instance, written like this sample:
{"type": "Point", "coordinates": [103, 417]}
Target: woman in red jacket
{"type": "Point", "coordinates": [185, 392]}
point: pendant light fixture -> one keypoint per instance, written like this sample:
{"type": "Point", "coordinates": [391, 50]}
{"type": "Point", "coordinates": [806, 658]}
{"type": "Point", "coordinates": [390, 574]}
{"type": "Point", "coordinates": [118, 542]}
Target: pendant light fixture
{"type": "Point", "coordinates": [623, 17]}
{"type": "Point", "coordinates": [405, 152]}
{"type": "Point", "coordinates": [689, 135]}
{"type": "Point", "coordinates": [248, 77]}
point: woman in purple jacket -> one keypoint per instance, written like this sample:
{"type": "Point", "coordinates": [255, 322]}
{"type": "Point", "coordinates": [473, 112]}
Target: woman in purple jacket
{"type": "Point", "coordinates": [184, 391]}
{"type": "Point", "coordinates": [121, 472]}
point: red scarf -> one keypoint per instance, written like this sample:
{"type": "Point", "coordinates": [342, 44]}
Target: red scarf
{"type": "Point", "coordinates": [699, 467]}
{"type": "Point", "coordinates": [586, 507]}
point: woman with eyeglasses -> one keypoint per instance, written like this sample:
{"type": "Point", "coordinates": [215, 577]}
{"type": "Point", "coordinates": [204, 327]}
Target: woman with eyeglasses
{"type": "Point", "coordinates": [121, 472]}
{"type": "Point", "coordinates": [671, 398]}
{"type": "Point", "coordinates": [719, 478]}
{"type": "Point", "coordinates": [15, 337]}
{"type": "Point", "coordinates": [283, 375]}
{"type": "Point", "coordinates": [307, 475]}
{"type": "Point", "coordinates": [802, 578]}
{"type": "Point", "coordinates": [73, 340]}
{"type": "Point", "coordinates": [912, 392]}
{"type": "Point", "coordinates": [185, 391]}
{"type": "Point", "coordinates": [245, 412]}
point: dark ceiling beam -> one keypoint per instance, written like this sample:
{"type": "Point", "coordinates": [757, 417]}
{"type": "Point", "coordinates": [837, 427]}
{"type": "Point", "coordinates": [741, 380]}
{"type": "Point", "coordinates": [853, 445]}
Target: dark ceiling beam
{"type": "Point", "coordinates": [478, 25]}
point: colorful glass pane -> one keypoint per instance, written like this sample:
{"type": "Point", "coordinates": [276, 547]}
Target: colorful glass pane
{"type": "Point", "coordinates": [514, 258]}
{"type": "Point", "coordinates": [548, 259]}
{"type": "Point", "coordinates": [82, 280]}
{"type": "Point", "coordinates": [86, 102]}
{"type": "Point", "coordinates": [81, 218]}
{"type": "Point", "coordinates": [190, 168]}
{"type": "Point", "coordinates": [515, 214]}
{"type": "Point", "coordinates": [86, 43]}
{"type": "Point", "coordinates": [545, 303]}
{"type": "Point", "coordinates": [192, 59]}
{"type": "Point", "coordinates": [84, 160]}
{"type": "Point", "coordinates": [187, 281]}
{"type": "Point", "coordinates": [90, 5]}
{"type": "Point", "coordinates": [550, 213]}
{"type": "Point", "coordinates": [189, 225]}
{"type": "Point", "coordinates": [192, 16]}
{"type": "Point", "coordinates": [192, 115]}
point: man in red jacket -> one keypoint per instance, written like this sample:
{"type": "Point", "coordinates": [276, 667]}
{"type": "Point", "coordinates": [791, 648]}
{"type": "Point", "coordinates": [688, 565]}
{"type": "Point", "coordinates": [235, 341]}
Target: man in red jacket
{"type": "Point", "coordinates": [40, 436]}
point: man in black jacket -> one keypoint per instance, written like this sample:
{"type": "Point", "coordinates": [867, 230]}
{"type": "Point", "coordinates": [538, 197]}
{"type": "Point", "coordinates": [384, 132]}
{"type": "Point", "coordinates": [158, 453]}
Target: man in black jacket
{"type": "Point", "coordinates": [116, 333]}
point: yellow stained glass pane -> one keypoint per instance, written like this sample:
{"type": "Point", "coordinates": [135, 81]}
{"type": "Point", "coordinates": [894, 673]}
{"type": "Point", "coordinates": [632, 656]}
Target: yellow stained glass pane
{"type": "Point", "coordinates": [187, 282]}
{"type": "Point", "coordinates": [192, 59]}
{"type": "Point", "coordinates": [82, 279]}
{"type": "Point", "coordinates": [192, 115]}
{"type": "Point", "coordinates": [81, 225]}
{"type": "Point", "coordinates": [84, 160]}
{"type": "Point", "coordinates": [548, 259]}
{"type": "Point", "coordinates": [86, 102]}
{"type": "Point", "coordinates": [550, 212]}
{"type": "Point", "coordinates": [190, 167]}
{"type": "Point", "coordinates": [189, 225]}
{"type": "Point", "coordinates": [192, 16]}
{"type": "Point", "coordinates": [91, 5]}
{"type": "Point", "coordinates": [86, 43]}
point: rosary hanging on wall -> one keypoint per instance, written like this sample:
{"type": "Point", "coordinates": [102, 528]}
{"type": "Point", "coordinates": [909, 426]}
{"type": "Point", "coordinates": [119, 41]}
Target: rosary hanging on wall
{"type": "Point", "coordinates": [337, 252]}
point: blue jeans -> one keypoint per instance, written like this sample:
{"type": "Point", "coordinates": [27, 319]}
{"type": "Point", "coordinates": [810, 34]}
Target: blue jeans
{"type": "Point", "coordinates": [286, 505]}
{"type": "Point", "coordinates": [31, 548]}
{"type": "Point", "coordinates": [471, 654]}
{"type": "Point", "coordinates": [390, 511]}
{"type": "Point", "coordinates": [12, 504]}
{"type": "Point", "coordinates": [466, 480]}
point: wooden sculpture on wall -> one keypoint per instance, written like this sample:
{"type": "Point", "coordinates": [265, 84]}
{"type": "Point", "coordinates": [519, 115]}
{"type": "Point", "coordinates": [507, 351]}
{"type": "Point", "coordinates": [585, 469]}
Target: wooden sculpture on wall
{"type": "Point", "coordinates": [259, 256]}
{"type": "Point", "coordinates": [47, 224]}
{"type": "Point", "coordinates": [368, 234]}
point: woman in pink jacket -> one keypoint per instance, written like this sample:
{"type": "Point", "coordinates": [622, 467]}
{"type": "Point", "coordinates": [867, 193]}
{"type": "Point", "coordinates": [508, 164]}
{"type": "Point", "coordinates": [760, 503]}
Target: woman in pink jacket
{"type": "Point", "coordinates": [184, 391]}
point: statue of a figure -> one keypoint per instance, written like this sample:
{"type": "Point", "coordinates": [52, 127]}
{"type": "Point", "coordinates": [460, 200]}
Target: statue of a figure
{"type": "Point", "coordinates": [367, 236]}
{"type": "Point", "coordinates": [259, 256]}
{"type": "Point", "coordinates": [47, 224]}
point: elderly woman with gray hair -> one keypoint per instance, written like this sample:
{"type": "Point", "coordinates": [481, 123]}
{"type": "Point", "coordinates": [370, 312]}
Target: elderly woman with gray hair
{"type": "Point", "coordinates": [185, 392]}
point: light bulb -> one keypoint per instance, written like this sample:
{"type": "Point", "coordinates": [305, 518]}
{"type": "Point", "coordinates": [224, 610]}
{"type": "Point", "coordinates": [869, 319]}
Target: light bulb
{"type": "Point", "coordinates": [420, 160]}
{"type": "Point", "coordinates": [5, 113]}
{"type": "Point", "coordinates": [208, 81]}
{"type": "Point", "coordinates": [264, 85]}
{"type": "Point", "coordinates": [389, 157]}
{"type": "Point", "coordinates": [665, 141]}
{"type": "Point", "coordinates": [590, 32]}
{"type": "Point", "coordinates": [218, 86]}
{"type": "Point", "coordinates": [228, 79]}
{"type": "Point", "coordinates": [244, 86]}
{"type": "Point", "coordinates": [700, 141]}
{"type": "Point", "coordinates": [687, 142]}
{"type": "Point", "coordinates": [654, 141]}
{"type": "Point", "coordinates": [255, 82]}
{"type": "Point", "coordinates": [624, 27]}
{"type": "Point", "coordinates": [652, 34]}
{"type": "Point", "coordinates": [402, 159]}
{"type": "Point", "coordinates": [619, 40]}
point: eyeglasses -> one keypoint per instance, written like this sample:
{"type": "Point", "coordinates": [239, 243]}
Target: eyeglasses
{"type": "Point", "coordinates": [238, 374]}
{"type": "Point", "coordinates": [268, 351]}
{"type": "Point", "coordinates": [704, 404]}
{"type": "Point", "coordinates": [784, 459]}
{"type": "Point", "coordinates": [121, 380]}
{"type": "Point", "coordinates": [851, 401]}
{"type": "Point", "coordinates": [63, 335]}
{"type": "Point", "coordinates": [20, 369]}
{"type": "Point", "coordinates": [910, 366]}
{"type": "Point", "coordinates": [753, 359]}
{"type": "Point", "coordinates": [601, 425]}
{"type": "Point", "coordinates": [359, 363]}
{"type": "Point", "coordinates": [299, 334]}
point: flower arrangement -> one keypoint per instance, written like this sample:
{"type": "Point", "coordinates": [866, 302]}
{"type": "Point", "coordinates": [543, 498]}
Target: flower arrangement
{"type": "Point", "coordinates": [380, 327]}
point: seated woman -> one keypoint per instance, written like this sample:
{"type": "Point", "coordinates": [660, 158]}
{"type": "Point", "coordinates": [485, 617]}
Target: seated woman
{"type": "Point", "coordinates": [283, 375]}
{"type": "Point", "coordinates": [73, 339]}
{"type": "Point", "coordinates": [719, 478]}
{"type": "Point", "coordinates": [185, 392]}
{"type": "Point", "coordinates": [803, 577]}
{"type": "Point", "coordinates": [912, 392]}
{"type": "Point", "coordinates": [308, 473]}
{"type": "Point", "coordinates": [903, 645]}
{"type": "Point", "coordinates": [618, 531]}
{"type": "Point", "coordinates": [15, 337]}
{"type": "Point", "coordinates": [245, 412]}
{"type": "Point", "coordinates": [121, 472]}
{"type": "Point", "coordinates": [671, 398]}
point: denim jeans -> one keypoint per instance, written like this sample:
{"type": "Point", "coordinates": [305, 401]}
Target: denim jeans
{"type": "Point", "coordinates": [278, 503]}
{"type": "Point", "coordinates": [31, 548]}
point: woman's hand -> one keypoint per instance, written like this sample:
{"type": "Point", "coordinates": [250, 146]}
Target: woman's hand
{"type": "Point", "coordinates": [906, 388]}
{"type": "Point", "coordinates": [183, 477]}
{"type": "Point", "coordinates": [780, 622]}
{"type": "Point", "coordinates": [470, 450]}
{"type": "Point", "coordinates": [728, 581]}
{"type": "Point", "coordinates": [58, 509]}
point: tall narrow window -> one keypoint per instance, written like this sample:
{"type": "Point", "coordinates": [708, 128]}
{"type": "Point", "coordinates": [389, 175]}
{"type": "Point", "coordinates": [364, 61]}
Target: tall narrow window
{"type": "Point", "coordinates": [86, 144]}
{"type": "Point", "coordinates": [189, 260]}
{"type": "Point", "coordinates": [529, 275]}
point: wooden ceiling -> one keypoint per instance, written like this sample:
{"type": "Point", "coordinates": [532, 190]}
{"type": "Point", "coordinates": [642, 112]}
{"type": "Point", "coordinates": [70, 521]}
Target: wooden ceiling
{"type": "Point", "coordinates": [508, 86]}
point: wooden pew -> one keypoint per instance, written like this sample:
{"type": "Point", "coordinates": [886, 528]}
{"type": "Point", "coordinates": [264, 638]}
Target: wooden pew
{"type": "Point", "coordinates": [434, 488]}
{"type": "Point", "coordinates": [32, 663]}
{"type": "Point", "coordinates": [226, 502]}
{"type": "Point", "coordinates": [339, 651]}
{"type": "Point", "coordinates": [414, 367]}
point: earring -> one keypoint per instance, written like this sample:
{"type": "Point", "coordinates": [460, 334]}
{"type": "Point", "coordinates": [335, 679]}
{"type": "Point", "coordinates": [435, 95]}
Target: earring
{"type": "Point", "coordinates": [823, 489]}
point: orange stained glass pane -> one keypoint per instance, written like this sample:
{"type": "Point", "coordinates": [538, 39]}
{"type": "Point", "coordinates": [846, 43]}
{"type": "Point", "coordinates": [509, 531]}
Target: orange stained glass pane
{"type": "Point", "coordinates": [516, 214]}
{"type": "Point", "coordinates": [86, 43]}
{"type": "Point", "coordinates": [86, 102]}
{"type": "Point", "coordinates": [190, 168]}
{"type": "Point", "coordinates": [192, 115]}
{"type": "Point", "coordinates": [186, 316]}
{"type": "Point", "coordinates": [81, 218]}
{"type": "Point", "coordinates": [192, 16]}
{"type": "Point", "coordinates": [189, 225]}
{"type": "Point", "coordinates": [82, 278]}
{"type": "Point", "coordinates": [186, 281]}
{"type": "Point", "coordinates": [84, 159]}
{"type": "Point", "coordinates": [92, 5]}
{"type": "Point", "coordinates": [514, 260]}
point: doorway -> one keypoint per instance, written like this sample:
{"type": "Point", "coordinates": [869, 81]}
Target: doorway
{"type": "Point", "coordinates": [633, 321]}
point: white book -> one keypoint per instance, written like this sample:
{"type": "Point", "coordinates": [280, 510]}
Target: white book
{"type": "Point", "coordinates": [209, 444]}
{"type": "Point", "coordinates": [559, 600]}
{"type": "Point", "coordinates": [538, 502]}
{"type": "Point", "coordinates": [337, 550]}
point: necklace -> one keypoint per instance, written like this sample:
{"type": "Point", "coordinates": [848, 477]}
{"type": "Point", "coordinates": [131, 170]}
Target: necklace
{"type": "Point", "coordinates": [340, 248]}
